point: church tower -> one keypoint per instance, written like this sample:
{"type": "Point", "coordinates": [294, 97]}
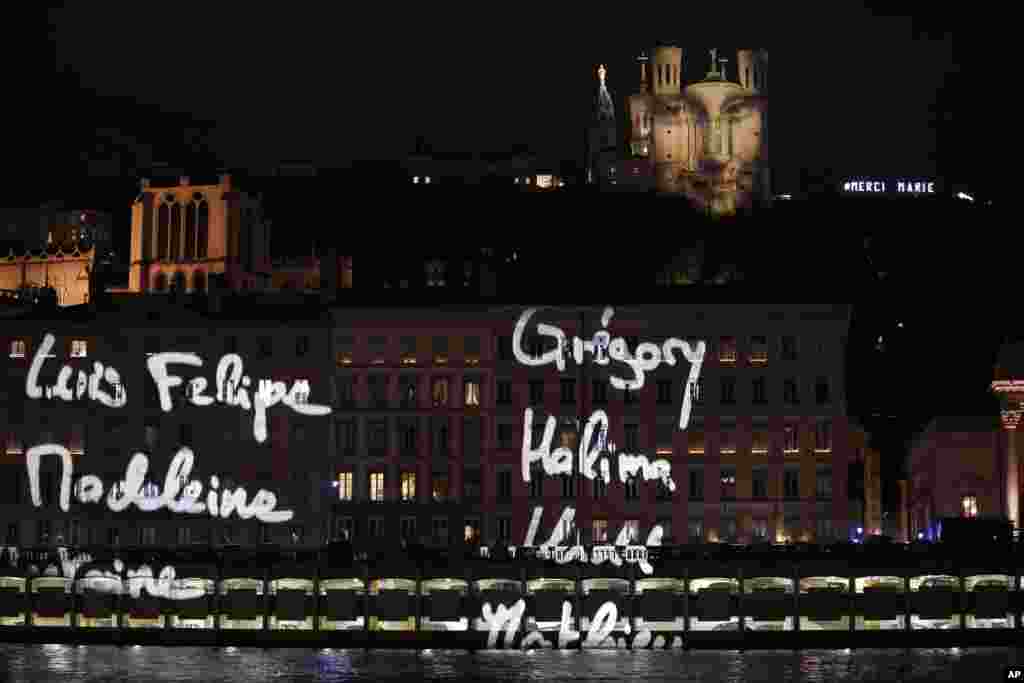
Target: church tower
{"type": "Point", "coordinates": [602, 143]}
{"type": "Point", "coordinates": [184, 234]}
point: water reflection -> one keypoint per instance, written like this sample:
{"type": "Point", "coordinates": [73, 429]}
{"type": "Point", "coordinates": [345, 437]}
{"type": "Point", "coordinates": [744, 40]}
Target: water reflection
{"type": "Point", "coordinates": [31, 663]}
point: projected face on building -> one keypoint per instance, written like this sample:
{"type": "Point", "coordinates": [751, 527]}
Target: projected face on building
{"type": "Point", "coordinates": [721, 146]}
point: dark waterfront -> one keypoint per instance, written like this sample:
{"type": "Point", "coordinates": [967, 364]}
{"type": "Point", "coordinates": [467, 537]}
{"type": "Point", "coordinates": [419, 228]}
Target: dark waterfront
{"type": "Point", "coordinates": [33, 663]}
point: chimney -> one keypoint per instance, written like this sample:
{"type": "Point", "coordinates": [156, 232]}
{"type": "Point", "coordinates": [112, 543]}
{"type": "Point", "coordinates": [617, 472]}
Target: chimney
{"type": "Point", "coordinates": [225, 181]}
{"type": "Point", "coordinates": [184, 180]}
{"type": "Point", "coordinates": [145, 183]}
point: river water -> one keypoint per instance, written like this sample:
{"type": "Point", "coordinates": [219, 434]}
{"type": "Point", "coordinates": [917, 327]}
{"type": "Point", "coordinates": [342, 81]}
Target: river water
{"type": "Point", "coordinates": [33, 663]}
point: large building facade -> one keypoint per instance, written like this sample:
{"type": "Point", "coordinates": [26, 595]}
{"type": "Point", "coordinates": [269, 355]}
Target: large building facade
{"type": "Point", "coordinates": [442, 427]}
{"type": "Point", "coordinates": [436, 411]}
{"type": "Point", "coordinates": [82, 397]}
{"type": "Point", "coordinates": [970, 466]}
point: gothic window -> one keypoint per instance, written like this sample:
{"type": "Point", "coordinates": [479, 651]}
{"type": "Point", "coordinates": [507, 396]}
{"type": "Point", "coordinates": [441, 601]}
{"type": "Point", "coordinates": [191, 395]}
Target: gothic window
{"type": "Point", "coordinates": [190, 231]}
{"type": "Point", "coordinates": [162, 231]}
{"type": "Point", "coordinates": [175, 231]}
{"type": "Point", "coordinates": [202, 233]}
{"type": "Point", "coordinates": [179, 281]}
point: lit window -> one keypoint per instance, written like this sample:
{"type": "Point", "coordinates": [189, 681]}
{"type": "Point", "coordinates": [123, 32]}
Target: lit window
{"type": "Point", "coordinates": [969, 505]}
{"type": "Point", "coordinates": [79, 348]}
{"type": "Point", "coordinates": [600, 531]}
{"type": "Point", "coordinates": [377, 486]}
{"type": "Point", "coordinates": [427, 180]}
{"type": "Point", "coordinates": [823, 437]}
{"type": "Point", "coordinates": [344, 486]}
{"type": "Point", "coordinates": [440, 392]}
{"type": "Point", "coordinates": [792, 436]}
{"type": "Point", "coordinates": [727, 350]}
{"type": "Point", "coordinates": [408, 486]}
{"type": "Point", "coordinates": [696, 442]}
{"type": "Point", "coordinates": [544, 181]}
{"type": "Point", "coordinates": [18, 348]}
{"type": "Point", "coordinates": [472, 388]}
{"type": "Point", "coordinates": [416, 180]}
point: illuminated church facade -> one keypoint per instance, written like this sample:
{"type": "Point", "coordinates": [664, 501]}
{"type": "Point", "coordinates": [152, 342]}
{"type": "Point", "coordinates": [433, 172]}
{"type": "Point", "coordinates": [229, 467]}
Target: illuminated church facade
{"type": "Point", "coordinates": [707, 140]}
{"type": "Point", "coordinates": [183, 235]}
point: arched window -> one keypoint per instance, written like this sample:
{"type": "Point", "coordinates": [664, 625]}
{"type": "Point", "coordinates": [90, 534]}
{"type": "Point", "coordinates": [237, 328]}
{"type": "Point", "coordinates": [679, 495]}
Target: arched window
{"type": "Point", "coordinates": [179, 281]}
{"type": "Point", "coordinates": [199, 281]}
{"type": "Point", "coordinates": [203, 219]}
{"type": "Point", "coordinates": [163, 226]}
{"type": "Point", "coordinates": [190, 231]}
{"type": "Point", "coordinates": [176, 231]}
{"type": "Point", "coordinates": [160, 282]}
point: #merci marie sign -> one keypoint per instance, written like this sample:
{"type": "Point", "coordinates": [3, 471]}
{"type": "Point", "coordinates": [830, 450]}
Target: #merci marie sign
{"type": "Point", "coordinates": [560, 461]}
{"type": "Point", "coordinates": [179, 493]}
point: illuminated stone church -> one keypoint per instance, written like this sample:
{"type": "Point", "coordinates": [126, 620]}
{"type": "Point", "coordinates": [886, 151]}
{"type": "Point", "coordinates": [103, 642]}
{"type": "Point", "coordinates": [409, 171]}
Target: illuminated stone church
{"type": "Point", "coordinates": [707, 140]}
{"type": "Point", "coordinates": [185, 234]}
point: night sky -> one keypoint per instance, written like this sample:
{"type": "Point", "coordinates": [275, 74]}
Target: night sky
{"type": "Point", "coordinates": [851, 89]}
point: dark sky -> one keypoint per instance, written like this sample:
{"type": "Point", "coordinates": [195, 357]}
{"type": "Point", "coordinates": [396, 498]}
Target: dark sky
{"type": "Point", "coordinates": [850, 89]}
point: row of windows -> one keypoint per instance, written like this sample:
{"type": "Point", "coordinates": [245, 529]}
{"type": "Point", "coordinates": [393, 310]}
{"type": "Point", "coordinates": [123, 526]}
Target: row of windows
{"type": "Point", "coordinates": [182, 230]}
{"type": "Point", "coordinates": [598, 531]}
{"type": "Point", "coordinates": [727, 349]}
{"type": "Point", "coordinates": [667, 391]}
{"type": "Point", "coordinates": [405, 432]}
{"type": "Point", "coordinates": [572, 486]}
{"type": "Point", "coordinates": [76, 533]}
{"type": "Point", "coordinates": [79, 348]}
{"type": "Point", "coordinates": [377, 348]}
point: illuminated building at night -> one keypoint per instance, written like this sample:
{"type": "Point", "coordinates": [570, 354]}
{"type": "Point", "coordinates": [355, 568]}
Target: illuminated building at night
{"type": "Point", "coordinates": [51, 247]}
{"type": "Point", "coordinates": [430, 416]}
{"type": "Point", "coordinates": [85, 384]}
{"type": "Point", "coordinates": [430, 427]}
{"type": "Point", "coordinates": [970, 466]}
{"type": "Point", "coordinates": [184, 234]}
{"type": "Point", "coordinates": [706, 140]}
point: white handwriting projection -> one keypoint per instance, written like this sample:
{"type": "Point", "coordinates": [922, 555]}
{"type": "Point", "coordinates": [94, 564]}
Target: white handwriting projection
{"type": "Point", "coordinates": [232, 389]}
{"type": "Point", "coordinates": [560, 460]}
{"type": "Point", "coordinates": [85, 384]}
{"type": "Point", "coordinates": [648, 356]}
{"type": "Point", "coordinates": [506, 621]}
{"type": "Point", "coordinates": [179, 494]}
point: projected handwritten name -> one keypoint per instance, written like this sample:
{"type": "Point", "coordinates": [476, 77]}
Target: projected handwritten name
{"type": "Point", "coordinates": [505, 621]}
{"type": "Point", "coordinates": [179, 494]}
{"type": "Point", "coordinates": [603, 349]}
{"type": "Point", "coordinates": [232, 386]}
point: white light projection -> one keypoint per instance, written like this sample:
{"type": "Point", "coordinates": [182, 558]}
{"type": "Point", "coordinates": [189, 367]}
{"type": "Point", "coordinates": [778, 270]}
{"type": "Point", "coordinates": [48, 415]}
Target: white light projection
{"type": "Point", "coordinates": [560, 461]}
{"type": "Point", "coordinates": [506, 620]}
{"type": "Point", "coordinates": [134, 489]}
{"type": "Point", "coordinates": [85, 385]}
{"type": "Point", "coordinates": [648, 355]}
{"type": "Point", "coordinates": [232, 389]}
